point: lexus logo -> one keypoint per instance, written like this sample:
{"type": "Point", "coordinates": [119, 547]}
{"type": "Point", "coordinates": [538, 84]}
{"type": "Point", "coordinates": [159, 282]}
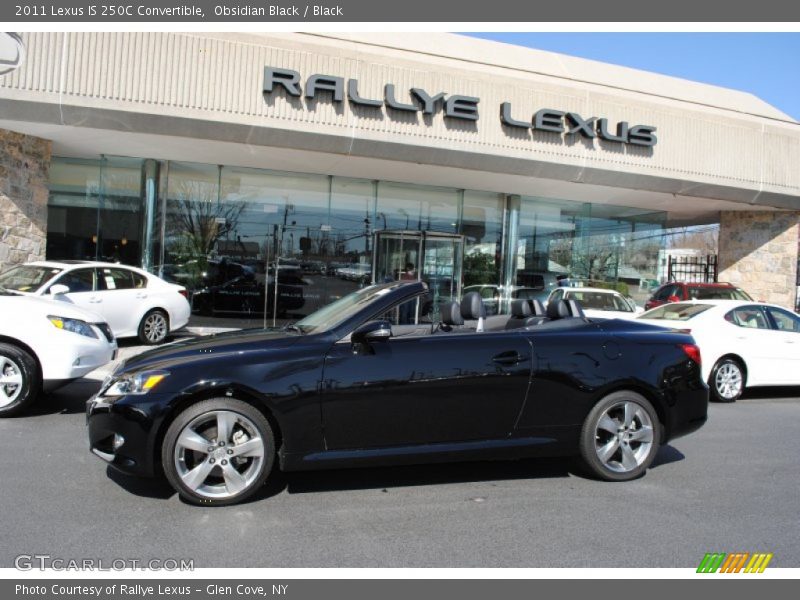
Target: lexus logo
{"type": "Point", "coordinates": [12, 52]}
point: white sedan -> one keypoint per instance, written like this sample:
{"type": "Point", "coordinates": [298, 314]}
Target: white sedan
{"type": "Point", "coordinates": [44, 345]}
{"type": "Point", "coordinates": [134, 302]}
{"type": "Point", "coordinates": [598, 303]}
{"type": "Point", "coordinates": [742, 343]}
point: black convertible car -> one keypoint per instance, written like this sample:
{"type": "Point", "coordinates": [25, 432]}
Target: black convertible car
{"type": "Point", "coordinates": [346, 386]}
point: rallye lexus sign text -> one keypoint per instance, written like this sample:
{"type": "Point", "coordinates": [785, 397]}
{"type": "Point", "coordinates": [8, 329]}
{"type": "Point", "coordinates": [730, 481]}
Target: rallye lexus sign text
{"type": "Point", "coordinates": [457, 107]}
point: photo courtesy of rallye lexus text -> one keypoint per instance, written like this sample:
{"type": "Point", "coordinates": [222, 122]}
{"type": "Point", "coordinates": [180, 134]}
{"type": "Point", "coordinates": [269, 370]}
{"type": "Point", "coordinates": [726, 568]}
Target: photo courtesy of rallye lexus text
{"type": "Point", "coordinates": [378, 377]}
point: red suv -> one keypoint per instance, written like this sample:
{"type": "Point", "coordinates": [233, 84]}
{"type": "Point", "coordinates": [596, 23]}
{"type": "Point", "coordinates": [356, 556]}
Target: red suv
{"type": "Point", "coordinates": [677, 291]}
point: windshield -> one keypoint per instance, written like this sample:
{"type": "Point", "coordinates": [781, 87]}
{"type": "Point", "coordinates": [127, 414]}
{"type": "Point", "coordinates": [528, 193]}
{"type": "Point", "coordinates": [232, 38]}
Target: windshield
{"type": "Point", "coordinates": [27, 278]}
{"type": "Point", "coordinates": [717, 293]}
{"type": "Point", "coordinates": [676, 311]}
{"type": "Point", "coordinates": [600, 301]}
{"type": "Point", "coordinates": [334, 314]}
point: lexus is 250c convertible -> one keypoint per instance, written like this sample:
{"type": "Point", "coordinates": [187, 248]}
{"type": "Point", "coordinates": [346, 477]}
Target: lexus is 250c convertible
{"type": "Point", "coordinates": [380, 377]}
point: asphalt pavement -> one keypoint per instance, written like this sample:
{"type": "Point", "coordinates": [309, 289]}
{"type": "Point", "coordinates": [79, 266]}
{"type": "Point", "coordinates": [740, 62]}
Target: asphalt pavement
{"type": "Point", "coordinates": [732, 486]}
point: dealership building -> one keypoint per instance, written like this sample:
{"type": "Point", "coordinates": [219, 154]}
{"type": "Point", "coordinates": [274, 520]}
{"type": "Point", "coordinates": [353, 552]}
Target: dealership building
{"type": "Point", "coordinates": [345, 157]}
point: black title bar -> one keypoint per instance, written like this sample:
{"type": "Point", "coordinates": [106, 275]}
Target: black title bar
{"type": "Point", "coordinates": [421, 11]}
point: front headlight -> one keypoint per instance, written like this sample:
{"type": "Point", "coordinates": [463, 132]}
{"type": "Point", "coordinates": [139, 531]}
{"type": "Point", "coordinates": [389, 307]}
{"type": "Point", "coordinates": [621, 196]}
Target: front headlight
{"type": "Point", "coordinates": [73, 325]}
{"type": "Point", "coordinates": [135, 383]}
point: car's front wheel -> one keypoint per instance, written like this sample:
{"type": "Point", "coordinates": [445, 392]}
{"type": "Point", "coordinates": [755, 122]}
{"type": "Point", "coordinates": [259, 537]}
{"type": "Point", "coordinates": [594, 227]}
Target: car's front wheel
{"type": "Point", "coordinates": [19, 380]}
{"type": "Point", "coordinates": [620, 437]}
{"type": "Point", "coordinates": [154, 327]}
{"type": "Point", "coordinates": [218, 452]}
{"type": "Point", "coordinates": [727, 380]}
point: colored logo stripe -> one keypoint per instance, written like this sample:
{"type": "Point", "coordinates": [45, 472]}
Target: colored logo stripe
{"type": "Point", "coordinates": [734, 562]}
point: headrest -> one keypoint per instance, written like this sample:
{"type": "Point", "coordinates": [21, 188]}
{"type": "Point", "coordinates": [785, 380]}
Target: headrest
{"type": "Point", "coordinates": [521, 309]}
{"type": "Point", "coordinates": [538, 308]}
{"type": "Point", "coordinates": [451, 313]}
{"type": "Point", "coordinates": [575, 309]}
{"type": "Point", "coordinates": [557, 310]}
{"type": "Point", "coordinates": [472, 306]}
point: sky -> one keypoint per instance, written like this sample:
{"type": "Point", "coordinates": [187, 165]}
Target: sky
{"type": "Point", "coordinates": [764, 64]}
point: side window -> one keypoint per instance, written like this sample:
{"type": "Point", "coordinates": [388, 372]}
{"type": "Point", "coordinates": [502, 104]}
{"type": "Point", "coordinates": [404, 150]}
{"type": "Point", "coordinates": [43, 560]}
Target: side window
{"type": "Point", "coordinates": [748, 316]}
{"type": "Point", "coordinates": [665, 292]}
{"type": "Point", "coordinates": [79, 280]}
{"type": "Point", "coordinates": [406, 313]}
{"type": "Point", "coordinates": [139, 281]}
{"type": "Point", "coordinates": [114, 279]}
{"type": "Point", "coordinates": [784, 320]}
{"type": "Point", "coordinates": [557, 295]}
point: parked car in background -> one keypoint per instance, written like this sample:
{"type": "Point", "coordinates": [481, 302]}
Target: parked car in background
{"type": "Point", "coordinates": [45, 344]}
{"type": "Point", "coordinates": [678, 291]}
{"type": "Point", "coordinates": [133, 302]}
{"type": "Point", "coordinates": [598, 303]}
{"type": "Point", "coordinates": [743, 343]}
{"type": "Point", "coordinates": [349, 386]}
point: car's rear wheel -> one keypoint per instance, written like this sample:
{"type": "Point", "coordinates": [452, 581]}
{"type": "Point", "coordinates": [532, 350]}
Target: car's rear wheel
{"type": "Point", "coordinates": [620, 437]}
{"type": "Point", "coordinates": [19, 380]}
{"type": "Point", "coordinates": [154, 327]}
{"type": "Point", "coordinates": [218, 452]}
{"type": "Point", "coordinates": [727, 380]}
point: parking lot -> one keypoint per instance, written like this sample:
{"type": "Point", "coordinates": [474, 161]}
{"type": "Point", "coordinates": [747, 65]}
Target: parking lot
{"type": "Point", "coordinates": [732, 486]}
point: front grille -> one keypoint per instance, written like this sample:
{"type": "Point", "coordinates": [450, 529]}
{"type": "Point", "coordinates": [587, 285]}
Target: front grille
{"type": "Point", "coordinates": [106, 331]}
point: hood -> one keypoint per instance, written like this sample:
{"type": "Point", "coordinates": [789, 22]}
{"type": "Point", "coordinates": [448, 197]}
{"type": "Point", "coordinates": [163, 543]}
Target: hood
{"type": "Point", "coordinates": [201, 348]}
{"type": "Point", "coordinates": [23, 305]}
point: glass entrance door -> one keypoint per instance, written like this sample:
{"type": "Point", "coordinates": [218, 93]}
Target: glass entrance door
{"type": "Point", "coordinates": [435, 258]}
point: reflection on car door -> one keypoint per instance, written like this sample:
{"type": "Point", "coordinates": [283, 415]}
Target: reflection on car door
{"type": "Point", "coordinates": [787, 332]}
{"type": "Point", "coordinates": [431, 388]}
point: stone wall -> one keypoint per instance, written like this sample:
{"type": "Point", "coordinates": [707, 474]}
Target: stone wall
{"type": "Point", "coordinates": [24, 166]}
{"type": "Point", "coordinates": [758, 252]}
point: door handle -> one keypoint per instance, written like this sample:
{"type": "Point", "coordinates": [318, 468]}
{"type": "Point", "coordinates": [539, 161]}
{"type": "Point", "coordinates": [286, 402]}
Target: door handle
{"type": "Point", "coordinates": [95, 300]}
{"type": "Point", "coordinates": [141, 295]}
{"type": "Point", "coordinates": [508, 358]}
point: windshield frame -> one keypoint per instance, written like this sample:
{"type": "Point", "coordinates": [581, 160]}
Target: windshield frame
{"type": "Point", "coordinates": [54, 273]}
{"type": "Point", "coordinates": [377, 298]}
{"type": "Point", "coordinates": [696, 308]}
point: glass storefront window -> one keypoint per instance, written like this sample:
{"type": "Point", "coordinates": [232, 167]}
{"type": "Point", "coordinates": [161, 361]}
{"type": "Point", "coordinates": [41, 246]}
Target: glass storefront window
{"type": "Point", "coordinates": [94, 210]}
{"type": "Point", "coordinates": [255, 245]}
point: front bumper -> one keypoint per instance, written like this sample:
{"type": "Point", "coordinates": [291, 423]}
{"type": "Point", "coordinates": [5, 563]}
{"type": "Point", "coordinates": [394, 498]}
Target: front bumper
{"type": "Point", "coordinates": [137, 420]}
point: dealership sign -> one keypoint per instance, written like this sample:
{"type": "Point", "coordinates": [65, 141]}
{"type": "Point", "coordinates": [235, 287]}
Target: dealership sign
{"type": "Point", "coordinates": [12, 52]}
{"type": "Point", "coordinates": [455, 106]}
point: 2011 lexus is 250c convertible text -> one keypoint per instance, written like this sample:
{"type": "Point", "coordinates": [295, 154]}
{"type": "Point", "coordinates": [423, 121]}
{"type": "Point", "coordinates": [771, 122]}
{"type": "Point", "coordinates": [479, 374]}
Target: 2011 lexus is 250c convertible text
{"type": "Point", "coordinates": [378, 377]}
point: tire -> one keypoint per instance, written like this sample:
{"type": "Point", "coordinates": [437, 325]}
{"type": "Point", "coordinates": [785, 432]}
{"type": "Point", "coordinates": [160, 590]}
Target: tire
{"type": "Point", "coordinates": [154, 327]}
{"type": "Point", "coordinates": [727, 380]}
{"type": "Point", "coordinates": [19, 380]}
{"type": "Point", "coordinates": [620, 437]}
{"type": "Point", "coordinates": [222, 476]}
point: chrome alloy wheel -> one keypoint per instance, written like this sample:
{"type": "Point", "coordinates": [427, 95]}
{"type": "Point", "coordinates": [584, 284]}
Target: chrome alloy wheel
{"type": "Point", "coordinates": [10, 380]}
{"type": "Point", "coordinates": [155, 327]}
{"type": "Point", "coordinates": [623, 437]}
{"type": "Point", "coordinates": [728, 380]}
{"type": "Point", "coordinates": [219, 454]}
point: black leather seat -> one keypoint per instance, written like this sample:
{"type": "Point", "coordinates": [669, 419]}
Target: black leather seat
{"type": "Point", "coordinates": [558, 310]}
{"type": "Point", "coordinates": [575, 309]}
{"type": "Point", "coordinates": [525, 313]}
{"type": "Point", "coordinates": [472, 308]}
{"type": "Point", "coordinates": [450, 315]}
{"type": "Point", "coordinates": [537, 307]}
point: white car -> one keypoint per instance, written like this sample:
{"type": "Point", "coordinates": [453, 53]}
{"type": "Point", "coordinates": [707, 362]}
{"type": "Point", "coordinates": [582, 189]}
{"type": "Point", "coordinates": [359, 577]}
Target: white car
{"type": "Point", "coordinates": [133, 302]}
{"type": "Point", "coordinates": [742, 343]}
{"type": "Point", "coordinates": [44, 345]}
{"type": "Point", "coordinates": [598, 303]}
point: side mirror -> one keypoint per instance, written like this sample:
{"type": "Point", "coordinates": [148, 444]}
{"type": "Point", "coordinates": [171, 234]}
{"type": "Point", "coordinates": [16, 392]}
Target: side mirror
{"type": "Point", "coordinates": [374, 331]}
{"type": "Point", "coordinates": [58, 289]}
{"type": "Point", "coordinates": [639, 310]}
